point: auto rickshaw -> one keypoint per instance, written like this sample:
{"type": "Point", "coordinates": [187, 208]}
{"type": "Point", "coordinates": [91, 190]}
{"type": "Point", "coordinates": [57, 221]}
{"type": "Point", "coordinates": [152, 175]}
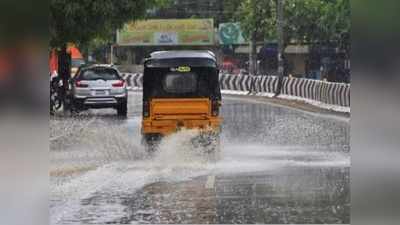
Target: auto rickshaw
{"type": "Point", "coordinates": [181, 91]}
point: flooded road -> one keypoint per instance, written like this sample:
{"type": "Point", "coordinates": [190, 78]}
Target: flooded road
{"type": "Point", "coordinates": [278, 165]}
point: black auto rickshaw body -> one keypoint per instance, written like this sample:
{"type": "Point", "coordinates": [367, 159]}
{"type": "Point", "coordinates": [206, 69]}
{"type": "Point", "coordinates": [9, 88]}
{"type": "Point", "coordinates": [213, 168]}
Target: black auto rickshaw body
{"type": "Point", "coordinates": [181, 91]}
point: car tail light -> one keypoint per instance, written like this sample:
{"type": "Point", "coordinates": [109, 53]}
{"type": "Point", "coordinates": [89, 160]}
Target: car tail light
{"type": "Point", "coordinates": [119, 83]}
{"type": "Point", "coordinates": [215, 104]}
{"type": "Point", "coordinates": [80, 84]}
{"type": "Point", "coordinates": [146, 109]}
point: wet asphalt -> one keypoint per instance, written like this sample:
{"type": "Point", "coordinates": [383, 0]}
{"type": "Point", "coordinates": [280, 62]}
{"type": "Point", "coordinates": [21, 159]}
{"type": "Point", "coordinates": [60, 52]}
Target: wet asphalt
{"type": "Point", "coordinates": [278, 165]}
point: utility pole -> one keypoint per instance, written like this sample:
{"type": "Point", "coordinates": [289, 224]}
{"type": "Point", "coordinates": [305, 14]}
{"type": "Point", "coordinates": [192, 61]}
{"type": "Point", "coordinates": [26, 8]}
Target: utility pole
{"type": "Point", "coordinates": [253, 42]}
{"type": "Point", "coordinates": [279, 28]}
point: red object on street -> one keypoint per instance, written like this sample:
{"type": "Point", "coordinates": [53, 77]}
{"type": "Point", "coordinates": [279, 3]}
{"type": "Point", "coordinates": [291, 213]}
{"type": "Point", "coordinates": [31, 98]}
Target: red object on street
{"type": "Point", "coordinates": [53, 59]}
{"type": "Point", "coordinates": [75, 53]}
{"type": "Point", "coordinates": [5, 65]}
{"type": "Point", "coordinates": [230, 65]}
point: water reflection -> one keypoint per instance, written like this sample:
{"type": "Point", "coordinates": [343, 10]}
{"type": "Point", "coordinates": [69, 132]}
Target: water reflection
{"type": "Point", "coordinates": [297, 195]}
{"type": "Point", "coordinates": [266, 124]}
{"type": "Point", "coordinates": [291, 195]}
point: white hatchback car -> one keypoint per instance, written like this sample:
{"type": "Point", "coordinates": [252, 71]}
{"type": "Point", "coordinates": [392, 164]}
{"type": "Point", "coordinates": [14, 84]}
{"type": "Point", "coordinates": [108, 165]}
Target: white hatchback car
{"type": "Point", "coordinates": [99, 86]}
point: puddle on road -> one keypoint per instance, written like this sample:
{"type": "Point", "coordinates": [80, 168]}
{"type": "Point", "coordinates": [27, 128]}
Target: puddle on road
{"type": "Point", "coordinates": [303, 178]}
{"type": "Point", "coordinates": [113, 193]}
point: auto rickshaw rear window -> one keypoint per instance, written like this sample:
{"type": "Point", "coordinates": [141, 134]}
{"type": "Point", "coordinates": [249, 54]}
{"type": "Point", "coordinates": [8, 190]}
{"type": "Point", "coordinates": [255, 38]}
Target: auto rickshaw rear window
{"type": "Point", "coordinates": [180, 83]}
{"type": "Point", "coordinates": [200, 82]}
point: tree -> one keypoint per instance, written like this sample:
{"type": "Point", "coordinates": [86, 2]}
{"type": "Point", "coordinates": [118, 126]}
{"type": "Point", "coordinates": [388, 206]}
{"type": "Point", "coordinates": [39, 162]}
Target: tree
{"type": "Point", "coordinates": [318, 21]}
{"type": "Point", "coordinates": [80, 21]}
{"type": "Point", "coordinates": [220, 10]}
{"type": "Point", "coordinates": [254, 18]}
{"type": "Point", "coordinates": [311, 22]}
{"type": "Point", "coordinates": [229, 10]}
{"type": "Point", "coordinates": [323, 25]}
{"type": "Point", "coordinates": [306, 21]}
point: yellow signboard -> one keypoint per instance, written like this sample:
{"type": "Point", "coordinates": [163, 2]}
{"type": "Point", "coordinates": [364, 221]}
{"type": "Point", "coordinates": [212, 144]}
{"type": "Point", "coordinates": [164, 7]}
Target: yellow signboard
{"type": "Point", "coordinates": [162, 32]}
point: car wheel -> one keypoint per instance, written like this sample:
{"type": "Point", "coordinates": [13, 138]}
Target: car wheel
{"type": "Point", "coordinates": [122, 110]}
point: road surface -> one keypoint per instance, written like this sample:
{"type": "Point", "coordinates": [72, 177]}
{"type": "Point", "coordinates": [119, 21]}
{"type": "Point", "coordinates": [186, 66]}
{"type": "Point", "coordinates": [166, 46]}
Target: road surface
{"type": "Point", "coordinates": [278, 165]}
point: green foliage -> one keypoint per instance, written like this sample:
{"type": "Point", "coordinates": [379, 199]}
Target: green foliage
{"type": "Point", "coordinates": [230, 8]}
{"type": "Point", "coordinates": [323, 21]}
{"type": "Point", "coordinates": [306, 21]}
{"type": "Point", "coordinates": [80, 21]}
{"type": "Point", "coordinates": [255, 16]}
{"type": "Point", "coordinates": [220, 10]}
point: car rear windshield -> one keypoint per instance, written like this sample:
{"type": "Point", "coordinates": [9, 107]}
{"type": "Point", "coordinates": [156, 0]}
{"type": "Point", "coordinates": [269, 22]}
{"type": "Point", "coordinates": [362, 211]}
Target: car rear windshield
{"type": "Point", "coordinates": [180, 83]}
{"type": "Point", "coordinates": [99, 74]}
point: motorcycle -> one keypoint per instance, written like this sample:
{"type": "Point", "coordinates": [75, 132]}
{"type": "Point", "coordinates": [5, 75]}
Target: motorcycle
{"type": "Point", "coordinates": [56, 101]}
